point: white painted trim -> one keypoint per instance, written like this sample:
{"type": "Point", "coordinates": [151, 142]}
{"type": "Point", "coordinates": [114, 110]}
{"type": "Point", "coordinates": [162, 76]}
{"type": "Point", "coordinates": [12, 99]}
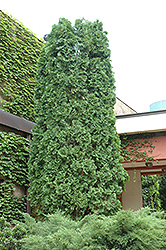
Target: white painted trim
{"type": "Point", "coordinates": [141, 123]}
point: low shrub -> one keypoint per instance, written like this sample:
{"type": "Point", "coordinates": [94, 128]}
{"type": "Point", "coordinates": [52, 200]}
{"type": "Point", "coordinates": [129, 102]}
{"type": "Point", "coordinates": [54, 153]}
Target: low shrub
{"type": "Point", "coordinates": [9, 238]}
{"type": "Point", "coordinates": [126, 230]}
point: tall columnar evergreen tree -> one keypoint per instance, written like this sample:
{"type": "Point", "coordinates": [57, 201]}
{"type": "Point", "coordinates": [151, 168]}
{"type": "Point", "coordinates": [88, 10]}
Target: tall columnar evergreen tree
{"type": "Point", "coordinates": [75, 152]}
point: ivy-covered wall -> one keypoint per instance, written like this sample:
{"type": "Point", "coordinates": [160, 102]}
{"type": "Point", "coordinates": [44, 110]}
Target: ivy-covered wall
{"type": "Point", "coordinates": [137, 147]}
{"type": "Point", "coordinates": [20, 49]}
{"type": "Point", "coordinates": [14, 152]}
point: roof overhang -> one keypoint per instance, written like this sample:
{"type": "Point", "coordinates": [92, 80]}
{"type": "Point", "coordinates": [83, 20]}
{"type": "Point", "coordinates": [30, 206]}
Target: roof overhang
{"type": "Point", "coordinates": [16, 122]}
{"type": "Point", "coordinates": [141, 122]}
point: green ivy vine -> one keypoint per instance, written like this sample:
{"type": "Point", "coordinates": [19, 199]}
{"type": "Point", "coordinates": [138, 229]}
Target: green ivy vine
{"type": "Point", "coordinates": [133, 149]}
{"type": "Point", "coordinates": [20, 50]}
{"type": "Point", "coordinates": [11, 206]}
{"type": "Point", "coordinates": [13, 171]}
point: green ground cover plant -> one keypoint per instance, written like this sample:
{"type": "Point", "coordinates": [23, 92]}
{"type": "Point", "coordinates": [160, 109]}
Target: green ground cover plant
{"type": "Point", "coordinates": [10, 238]}
{"type": "Point", "coordinates": [126, 230]}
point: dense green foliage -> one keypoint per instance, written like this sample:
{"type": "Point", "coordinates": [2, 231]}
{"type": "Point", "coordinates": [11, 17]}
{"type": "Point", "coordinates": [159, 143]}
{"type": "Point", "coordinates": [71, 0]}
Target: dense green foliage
{"type": "Point", "coordinates": [150, 191]}
{"type": "Point", "coordinates": [162, 191]}
{"type": "Point", "coordinates": [13, 168]}
{"type": "Point", "coordinates": [13, 157]}
{"type": "Point", "coordinates": [75, 152]}
{"type": "Point", "coordinates": [20, 50]}
{"type": "Point", "coordinates": [10, 239]}
{"type": "Point", "coordinates": [125, 230]}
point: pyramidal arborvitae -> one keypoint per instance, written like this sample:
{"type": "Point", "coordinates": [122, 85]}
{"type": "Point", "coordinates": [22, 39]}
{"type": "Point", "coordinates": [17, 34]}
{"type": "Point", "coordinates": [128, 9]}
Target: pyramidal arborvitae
{"type": "Point", "coordinates": [75, 152]}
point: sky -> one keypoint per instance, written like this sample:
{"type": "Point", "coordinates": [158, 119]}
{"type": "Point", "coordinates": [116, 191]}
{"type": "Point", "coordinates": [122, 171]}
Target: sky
{"type": "Point", "coordinates": [137, 39]}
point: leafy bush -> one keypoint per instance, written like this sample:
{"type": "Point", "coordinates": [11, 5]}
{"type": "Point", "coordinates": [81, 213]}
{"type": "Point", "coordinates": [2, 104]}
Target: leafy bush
{"type": "Point", "coordinates": [9, 239]}
{"type": "Point", "coordinates": [150, 191]}
{"type": "Point", "coordinates": [125, 230]}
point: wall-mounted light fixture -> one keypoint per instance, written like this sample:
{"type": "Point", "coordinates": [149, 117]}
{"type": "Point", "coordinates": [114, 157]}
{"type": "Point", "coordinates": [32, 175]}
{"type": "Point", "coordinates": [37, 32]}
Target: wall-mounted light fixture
{"type": "Point", "coordinates": [149, 164]}
{"type": "Point", "coordinates": [164, 170]}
